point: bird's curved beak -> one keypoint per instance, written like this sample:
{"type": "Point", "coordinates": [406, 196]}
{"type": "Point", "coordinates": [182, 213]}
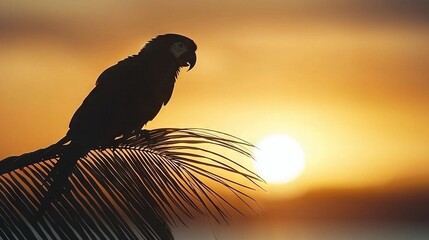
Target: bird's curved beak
{"type": "Point", "coordinates": [191, 59]}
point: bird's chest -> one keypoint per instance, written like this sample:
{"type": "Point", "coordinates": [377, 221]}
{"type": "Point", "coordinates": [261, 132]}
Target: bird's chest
{"type": "Point", "coordinates": [146, 97]}
{"type": "Point", "coordinates": [151, 92]}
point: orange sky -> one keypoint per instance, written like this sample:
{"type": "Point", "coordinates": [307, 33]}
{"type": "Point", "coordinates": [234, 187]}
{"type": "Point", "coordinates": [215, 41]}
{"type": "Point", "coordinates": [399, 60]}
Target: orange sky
{"type": "Point", "coordinates": [349, 81]}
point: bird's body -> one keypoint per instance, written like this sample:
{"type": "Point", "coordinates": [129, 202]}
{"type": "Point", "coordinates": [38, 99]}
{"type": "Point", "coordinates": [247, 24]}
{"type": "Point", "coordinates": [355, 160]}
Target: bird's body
{"type": "Point", "coordinates": [126, 96]}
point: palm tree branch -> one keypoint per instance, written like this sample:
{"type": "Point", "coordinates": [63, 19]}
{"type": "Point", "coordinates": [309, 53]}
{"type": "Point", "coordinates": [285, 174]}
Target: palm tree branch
{"type": "Point", "coordinates": [130, 188]}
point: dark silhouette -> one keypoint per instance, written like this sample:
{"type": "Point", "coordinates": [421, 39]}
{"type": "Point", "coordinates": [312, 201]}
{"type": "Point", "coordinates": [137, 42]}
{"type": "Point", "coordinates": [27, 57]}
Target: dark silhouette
{"type": "Point", "coordinates": [130, 188]}
{"type": "Point", "coordinates": [124, 182]}
{"type": "Point", "coordinates": [126, 96]}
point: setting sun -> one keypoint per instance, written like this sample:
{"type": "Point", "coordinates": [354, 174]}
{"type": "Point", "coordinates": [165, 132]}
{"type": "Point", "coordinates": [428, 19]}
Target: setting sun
{"type": "Point", "coordinates": [279, 158]}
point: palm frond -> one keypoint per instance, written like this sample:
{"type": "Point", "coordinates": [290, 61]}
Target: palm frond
{"type": "Point", "coordinates": [134, 188]}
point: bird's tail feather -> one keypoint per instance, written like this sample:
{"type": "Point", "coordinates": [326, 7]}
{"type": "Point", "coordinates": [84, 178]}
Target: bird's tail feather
{"type": "Point", "coordinates": [57, 179]}
{"type": "Point", "coordinates": [12, 163]}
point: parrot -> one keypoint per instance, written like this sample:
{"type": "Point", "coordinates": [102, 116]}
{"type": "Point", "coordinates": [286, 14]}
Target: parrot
{"type": "Point", "coordinates": [125, 98]}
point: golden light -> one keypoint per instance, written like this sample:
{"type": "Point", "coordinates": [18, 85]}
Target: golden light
{"type": "Point", "coordinates": [279, 159]}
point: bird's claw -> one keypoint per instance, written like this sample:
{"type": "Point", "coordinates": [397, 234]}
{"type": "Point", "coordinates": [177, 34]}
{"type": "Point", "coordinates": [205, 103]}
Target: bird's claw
{"type": "Point", "coordinates": [144, 133]}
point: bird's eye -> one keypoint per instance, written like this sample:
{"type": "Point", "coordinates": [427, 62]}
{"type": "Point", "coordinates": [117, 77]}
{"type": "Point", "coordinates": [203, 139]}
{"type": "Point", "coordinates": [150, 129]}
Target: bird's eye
{"type": "Point", "coordinates": [178, 48]}
{"type": "Point", "coordinates": [180, 45]}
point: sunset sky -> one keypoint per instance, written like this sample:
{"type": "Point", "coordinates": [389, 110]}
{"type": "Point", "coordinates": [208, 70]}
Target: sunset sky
{"type": "Point", "coordinates": [349, 80]}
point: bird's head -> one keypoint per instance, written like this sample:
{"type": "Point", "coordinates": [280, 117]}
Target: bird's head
{"type": "Point", "coordinates": [174, 47]}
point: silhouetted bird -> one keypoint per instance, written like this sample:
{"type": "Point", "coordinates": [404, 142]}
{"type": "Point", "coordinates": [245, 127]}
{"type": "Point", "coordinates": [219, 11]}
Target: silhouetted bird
{"type": "Point", "coordinates": [126, 96]}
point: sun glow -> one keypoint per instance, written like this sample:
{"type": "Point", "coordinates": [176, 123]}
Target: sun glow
{"type": "Point", "coordinates": [279, 159]}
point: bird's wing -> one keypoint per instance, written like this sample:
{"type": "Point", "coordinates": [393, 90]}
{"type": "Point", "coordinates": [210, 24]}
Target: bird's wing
{"type": "Point", "coordinates": [101, 114]}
